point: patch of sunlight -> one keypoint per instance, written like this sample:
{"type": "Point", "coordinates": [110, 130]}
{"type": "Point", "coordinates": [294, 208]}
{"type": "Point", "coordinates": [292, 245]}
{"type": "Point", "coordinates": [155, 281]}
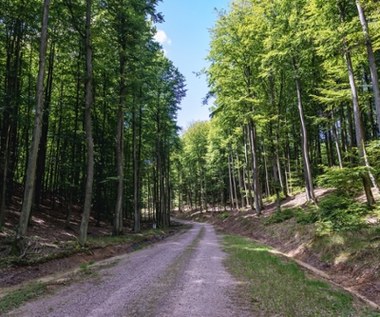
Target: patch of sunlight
{"type": "Point", "coordinates": [372, 221]}
{"type": "Point", "coordinates": [38, 220]}
{"type": "Point", "coordinates": [298, 250]}
{"type": "Point", "coordinates": [341, 258]}
{"type": "Point", "coordinates": [257, 249]}
{"type": "Point", "coordinates": [68, 234]}
{"type": "Point", "coordinates": [337, 239]}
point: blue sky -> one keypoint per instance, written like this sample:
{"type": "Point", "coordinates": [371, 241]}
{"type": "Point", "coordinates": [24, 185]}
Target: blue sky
{"type": "Point", "coordinates": [185, 38]}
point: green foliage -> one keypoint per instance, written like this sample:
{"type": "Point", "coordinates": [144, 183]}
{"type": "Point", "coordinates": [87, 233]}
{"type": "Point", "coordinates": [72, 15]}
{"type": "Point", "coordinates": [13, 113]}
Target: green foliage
{"type": "Point", "coordinates": [347, 181]}
{"type": "Point", "coordinates": [341, 213]}
{"type": "Point", "coordinates": [275, 286]}
{"type": "Point", "coordinates": [324, 228]}
{"type": "Point", "coordinates": [373, 151]}
{"type": "Point", "coordinates": [16, 298]}
{"type": "Point", "coordinates": [224, 215]}
{"type": "Point", "coordinates": [307, 216]}
{"type": "Point", "coordinates": [334, 213]}
{"type": "Point", "coordinates": [86, 269]}
{"type": "Point", "coordinates": [281, 216]}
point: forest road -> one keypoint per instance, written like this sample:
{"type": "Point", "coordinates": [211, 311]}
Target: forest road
{"type": "Point", "coordinates": [181, 276]}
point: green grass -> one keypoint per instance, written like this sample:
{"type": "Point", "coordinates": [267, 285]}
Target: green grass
{"type": "Point", "coordinates": [16, 298]}
{"type": "Point", "coordinates": [278, 287]}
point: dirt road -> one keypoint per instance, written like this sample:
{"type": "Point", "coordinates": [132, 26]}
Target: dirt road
{"type": "Point", "coordinates": [182, 276]}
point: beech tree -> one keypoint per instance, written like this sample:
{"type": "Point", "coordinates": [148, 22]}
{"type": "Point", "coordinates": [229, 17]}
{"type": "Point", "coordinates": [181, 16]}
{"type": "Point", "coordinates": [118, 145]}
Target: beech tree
{"type": "Point", "coordinates": [137, 90]}
{"type": "Point", "coordinates": [293, 82]}
{"type": "Point", "coordinates": [32, 162]}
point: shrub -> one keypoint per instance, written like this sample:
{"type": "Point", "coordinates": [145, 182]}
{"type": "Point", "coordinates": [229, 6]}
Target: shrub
{"type": "Point", "coordinates": [343, 213]}
{"type": "Point", "coordinates": [307, 216]}
{"type": "Point", "coordinates": [281, 216]}
{"type": "Point", "coordinates": [347, 181]}
{"type": "Point", "coordinates": [324, 227]}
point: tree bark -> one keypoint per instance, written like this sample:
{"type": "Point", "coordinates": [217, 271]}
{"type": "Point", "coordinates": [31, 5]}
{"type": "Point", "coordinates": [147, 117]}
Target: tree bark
{"type": "Point", "coordinates": [32, 161]}
{"type": "Point", "coordinates": [231, 183]}
{"type": "Point", "coordinates": [358, 126]}
{"type": "Point", "coordinates": [89, 100]}
{"type": "Point", "coordinates": [371, 61]}
{"type": "Point", "coordinates": [41, 160]}
{"type": "Point", "coordinates": [305, 148]}
{"type": "Point", "coordinates": [255, 168]}
{"type": "Point", "coordinates": [118, 216]}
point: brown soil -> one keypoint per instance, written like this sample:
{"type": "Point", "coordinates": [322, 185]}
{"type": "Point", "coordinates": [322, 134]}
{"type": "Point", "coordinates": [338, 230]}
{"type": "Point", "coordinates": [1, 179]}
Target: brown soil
{"type": "Point", "coordinates": [52, 247]}
{"type": "Point", "coordinates": [361, 275]}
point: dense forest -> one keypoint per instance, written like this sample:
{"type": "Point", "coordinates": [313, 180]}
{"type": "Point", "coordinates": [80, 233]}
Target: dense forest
{"type": "Point", "coordinates": [89, 104]}
{"type": "Point", "coordinates": [88, 110]}
{"type": "Point", "coordinates": [296, 105]}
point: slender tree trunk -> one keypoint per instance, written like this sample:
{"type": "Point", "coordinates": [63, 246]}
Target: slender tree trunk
{"type": "Point", "coordinates": [10, 109]}
{"type": "Point", "coordinates": [267, 180]}
{"type": "Point", "coordinates": [249, 185]}
{"type": "Point", "coordinates": [234, 182]}
{"type": "Point", "coordinates": [305, 148]}
{"type": "Point", "coordinates": [371, 61]}
{"type": "Point", "coordinates": [32, 162]}
{"type": "Point", "coordinates": [3, 188]}
{"type": "Point", "coordinates": [240, 181]}
{"type": "Point", "coordinates": [89, 100]}
{"type": "Point", "coordinates": [255, 168]}
{"type": "Point", "coordinates": [230, 183]}
{"type": "Point", "coordinates": [337, 145]}
{"type": "Point", "coordinates": [136, 170]}
{"type": "Point", "coordinates": [289, 173]}
{"type": "Point", "coordinates": [41, 160]}
{"type": "Point", "coordinates": [358, 127]}
{"type": "Point", "coordinates": [120, 161]}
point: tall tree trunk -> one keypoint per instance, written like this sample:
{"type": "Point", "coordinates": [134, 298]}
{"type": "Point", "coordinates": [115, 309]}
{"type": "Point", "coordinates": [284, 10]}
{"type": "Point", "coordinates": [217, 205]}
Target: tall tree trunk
{"type": "Point", "coordinates": [247, 163]}
{"type": "Point", "coordinates": [358, 127]}
{"type": "Point", "coordinates": [118, 216]}
{"type": "Point", "coordinates": [305, 147]}
{"type": "Point", "coordinates": [240, 181]}
{"type": "Point", "coordinates": [255, 168]}
{"type": "Point", "coordinates": [371, 61]}
{"type": "Point", "coordinates": [3, 188]}
{"type": "Point", "coordinates": [10, 109]}
{"type": "Point", "coordinates": [89, 100]}
{"type": "Point", "coordinates": [234, 185]}
{"type": "Point", "coordinates": [267, 180]}
{"type": "Point", "coordinates": [32, 162]}
{"type": "Point", "coordinates": [337, 145]}
{"type": "Point", "coordinates": [136, 170]}
{"type": "Point", "coordinates": [230, 176]}
{"type": "Point", "coordinates": [41, 159]}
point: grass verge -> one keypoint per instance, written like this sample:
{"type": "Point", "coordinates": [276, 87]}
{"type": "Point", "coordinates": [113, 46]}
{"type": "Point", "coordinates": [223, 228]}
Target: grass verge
{"type": "Point", "coordinates": [278, 287]}
{"type": "Point", "coordinates": [19, 296]}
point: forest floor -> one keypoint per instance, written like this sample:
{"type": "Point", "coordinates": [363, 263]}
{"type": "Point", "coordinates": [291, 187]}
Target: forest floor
{"type": "Point", "coordinates": [52, 247]}
{"type": "Point", "coordinates": [347, 258]}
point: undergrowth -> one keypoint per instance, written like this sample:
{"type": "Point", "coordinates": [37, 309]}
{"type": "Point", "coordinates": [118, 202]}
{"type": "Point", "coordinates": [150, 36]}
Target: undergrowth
{"type": "Point", "coordinates": [40, 255]}
{"type": "Point", "coordinates": [334, 213]}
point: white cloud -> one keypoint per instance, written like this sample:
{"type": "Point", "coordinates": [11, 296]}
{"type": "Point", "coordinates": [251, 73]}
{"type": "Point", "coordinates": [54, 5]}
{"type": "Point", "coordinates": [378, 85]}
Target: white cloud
{"type": "Point", "coordinates": [162, 38]}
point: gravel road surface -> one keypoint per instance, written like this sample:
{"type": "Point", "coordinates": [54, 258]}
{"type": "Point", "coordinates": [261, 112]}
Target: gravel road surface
{"type": "Point", "coordinates": [181, 276]}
